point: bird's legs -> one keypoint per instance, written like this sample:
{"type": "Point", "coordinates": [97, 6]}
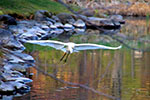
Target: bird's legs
{"type": "Point", "coordinates": [66, 57]}
{"type": "Point", "coordinates": [63, 56]}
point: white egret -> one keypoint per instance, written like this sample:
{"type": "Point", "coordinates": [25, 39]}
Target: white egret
{"type": "Point", "coordinates": [70, 47]}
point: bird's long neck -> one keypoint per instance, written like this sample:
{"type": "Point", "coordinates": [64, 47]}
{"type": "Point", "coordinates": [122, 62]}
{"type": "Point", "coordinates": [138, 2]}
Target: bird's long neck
{"type": "Point", "coordinates": [70, 49]}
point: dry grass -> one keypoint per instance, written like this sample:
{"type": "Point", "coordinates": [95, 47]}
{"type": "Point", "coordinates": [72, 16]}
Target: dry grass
{"type": "Point", "coordinates": [135, 9]}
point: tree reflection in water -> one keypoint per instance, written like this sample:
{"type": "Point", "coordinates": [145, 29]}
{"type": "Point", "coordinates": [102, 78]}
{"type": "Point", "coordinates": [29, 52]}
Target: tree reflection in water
{"type": "Point", "coordinates": [106, 71]}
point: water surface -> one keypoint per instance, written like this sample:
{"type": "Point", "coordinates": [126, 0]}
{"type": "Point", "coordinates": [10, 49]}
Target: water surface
{"type": "Point", "coordinates": [123, 73]}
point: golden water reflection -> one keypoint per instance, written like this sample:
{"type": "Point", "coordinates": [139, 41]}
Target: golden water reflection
{"type": "Point", "coordinates": [123, 74]}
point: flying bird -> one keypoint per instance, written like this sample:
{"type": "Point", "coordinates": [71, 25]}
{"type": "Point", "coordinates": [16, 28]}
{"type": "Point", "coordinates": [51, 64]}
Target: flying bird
{"type": "Point", "coordinates": [70, 47]}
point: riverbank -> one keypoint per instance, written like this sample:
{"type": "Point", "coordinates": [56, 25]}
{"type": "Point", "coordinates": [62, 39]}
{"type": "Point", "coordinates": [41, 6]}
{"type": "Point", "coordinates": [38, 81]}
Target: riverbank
{"type": "Point", "coordinates": [125, 8]}
{"type": "Point", "coordinates": [28, 7]}
{"type": "Point", "coordinates": [25, 8]}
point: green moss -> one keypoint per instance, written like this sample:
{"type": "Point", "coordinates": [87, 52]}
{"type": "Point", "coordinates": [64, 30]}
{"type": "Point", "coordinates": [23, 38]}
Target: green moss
{"type": "Point", "coordinates": [26, 7]}
{"type": "Point", "coordinates": [1, 12]}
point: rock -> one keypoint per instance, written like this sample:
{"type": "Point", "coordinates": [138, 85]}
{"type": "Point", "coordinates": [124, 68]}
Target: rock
{"type": "Point", "coordinates": [49, 23]}
{"type": "Point", "coordinates": [30, 30]}
{"type": "Point", "coordinates": [79, 30]}
{"type": "Point", "coordinates": [15, 62]}
{"type": "Point", "coordinates": [57, 31]}
{"type": "Point", "coordinates": [32, 33]}
{"type": "Point", "coordinates": [45, 27]}
{"type": "Point", "coordinates": [79, 24]}
{"type": "Point", "coordinates": [18, 29]}
{"type": "Point", "coordinates": [80, 17]}
{"type": "Point", "coordinates": [9, 41]}
{"type": "Point", "coordinates": [36, 30]}
{"type": "Point", "coordinates": [117, 18]}
{"type": "Point", "coordinates": [7, 97]}
{"type": "Point", "coordinates": [58, 25]}
{"type": "Point", "coordinates": [5, 36]}
{"type": "Point", "coordinates": [66, 18]}
{"type": "Point", "coordinates": [13, 68]}
{"type": "Point", "coordinates": [11, 86]}
{"type": "Point", "coordinates": [103, 23]}
{"type": "Point", "coordinates": [29, 36]}
{"type": "Point", "coordinates": [16, 57]}
{"type": "Point", "coordinates": [15, 73]}
{"type": "Point", "coordinates": [23, 90]}
{"type": "Point", "coordinates": [18, 85]}
{"type": "Point", "coordinates": [87, 12]}
{"type": "Point", "coordinates": [10, 77]}
{"type": "Point", "coordinates": [42, 15]}
{"type": "Point", "coordinates": [68, 27]}
{"type": "Point", "coordinates": [6, 87]}
{"type": "Point", "coordinates": [56, 18]}
{"type": "Point", "coordinates": [24, 56]}
{"type": "Point", "coordinates": [53, 27]}
{"type": "Point", "coordinates": [13, 59]}
{"type": "Point", "coordinates": [22, 80]}
{"type": "Point", "coordinates": [8, 20]}
{"type": "Point", "coordinates": [50, 20]}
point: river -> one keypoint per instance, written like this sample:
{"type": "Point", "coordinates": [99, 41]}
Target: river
{"type": "Point", "coordinates": [123, 73]}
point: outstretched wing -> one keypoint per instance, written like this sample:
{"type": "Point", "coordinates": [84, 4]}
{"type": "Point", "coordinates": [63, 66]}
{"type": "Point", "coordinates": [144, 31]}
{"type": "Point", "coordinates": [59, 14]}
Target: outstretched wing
{"type": "Point", "coordinates": [90, 46]}
{"type": "Point", "coordinates": [51, 43]}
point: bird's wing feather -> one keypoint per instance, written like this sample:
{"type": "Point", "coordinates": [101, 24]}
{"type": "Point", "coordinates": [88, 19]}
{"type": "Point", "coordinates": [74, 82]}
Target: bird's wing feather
{"type": "Point", "coordinates": [90, 46]}
{"type": "Point", "coordinates": [51, 43]}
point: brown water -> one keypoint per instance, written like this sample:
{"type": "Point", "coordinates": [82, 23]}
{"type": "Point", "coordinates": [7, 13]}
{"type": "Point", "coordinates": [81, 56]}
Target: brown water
{"type": "Point", "coordinates": [123, 73]}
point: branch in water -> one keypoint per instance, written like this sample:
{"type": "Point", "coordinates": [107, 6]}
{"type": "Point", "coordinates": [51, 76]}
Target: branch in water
{"type": "Point", "coordinates": [62, 81]}
{"type": "Point", "coordinates": [77, 84]}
